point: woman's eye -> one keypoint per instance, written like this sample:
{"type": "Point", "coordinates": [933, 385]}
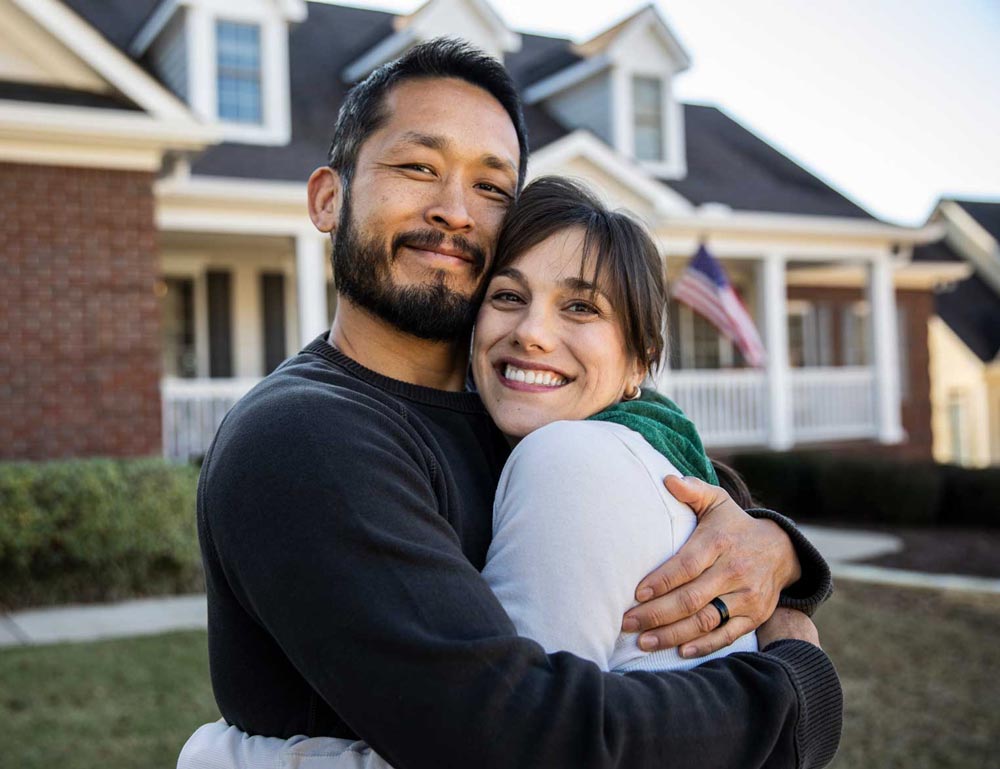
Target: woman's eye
{"type": "Point", "coordinates": [582, 307]}
{"type": "Point", "coordinates": [506, 297]}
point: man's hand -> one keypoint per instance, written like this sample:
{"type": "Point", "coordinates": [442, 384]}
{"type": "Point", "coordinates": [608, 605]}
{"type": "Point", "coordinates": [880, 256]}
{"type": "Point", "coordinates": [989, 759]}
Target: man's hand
{"type": "Point", "coordinates": [744, 561]}
{"type": "Point", "coordinates": [787, 623]}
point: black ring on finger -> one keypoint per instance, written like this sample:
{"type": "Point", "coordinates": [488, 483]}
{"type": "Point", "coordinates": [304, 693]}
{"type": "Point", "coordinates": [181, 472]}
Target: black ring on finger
{"type": "Point", "coordinates": [719, 604]}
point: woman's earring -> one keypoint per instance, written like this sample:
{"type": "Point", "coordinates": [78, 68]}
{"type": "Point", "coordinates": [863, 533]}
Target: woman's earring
{"type": "Point", "coordinates": [634, 395]}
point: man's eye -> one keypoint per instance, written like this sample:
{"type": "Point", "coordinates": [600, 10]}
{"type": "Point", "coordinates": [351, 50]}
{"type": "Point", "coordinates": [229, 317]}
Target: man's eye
{"type": "Point", "coordinates": [425, 169]}
{"type": "Point", "coordinates": [494, 189]}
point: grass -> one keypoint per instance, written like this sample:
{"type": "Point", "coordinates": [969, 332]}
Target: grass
{"type": "Point", "coordinates": [918, 668]}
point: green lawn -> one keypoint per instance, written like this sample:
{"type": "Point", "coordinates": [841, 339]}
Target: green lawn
{"type": "Point", "coordinates": [918, 668]}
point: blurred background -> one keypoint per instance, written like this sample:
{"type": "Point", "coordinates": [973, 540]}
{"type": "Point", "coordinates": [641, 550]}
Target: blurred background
{"type": "Point", "coordinates": [823, 181]}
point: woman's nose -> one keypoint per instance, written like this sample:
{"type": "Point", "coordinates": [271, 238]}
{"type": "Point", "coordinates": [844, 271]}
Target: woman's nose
{"type": "Point", "coordinates": [535, 330]}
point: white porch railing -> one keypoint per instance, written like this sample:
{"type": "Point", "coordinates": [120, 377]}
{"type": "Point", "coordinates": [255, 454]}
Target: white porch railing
{"type": "Point", "coordinates": [193, 410]}
{"type": "Point", "coordinates": [833, 403]}
{"type": "Point", "coordinates": [728, 407]}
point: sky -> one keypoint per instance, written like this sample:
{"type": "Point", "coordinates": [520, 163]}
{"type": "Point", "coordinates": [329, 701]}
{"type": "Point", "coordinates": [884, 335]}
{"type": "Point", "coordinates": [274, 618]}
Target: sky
{"type": "Point", "coordinates": [894, 102]}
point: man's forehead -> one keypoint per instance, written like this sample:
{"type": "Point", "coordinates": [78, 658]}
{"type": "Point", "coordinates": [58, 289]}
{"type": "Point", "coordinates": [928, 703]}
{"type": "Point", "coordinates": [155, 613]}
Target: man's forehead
{"type": "Point", "coordinates": [447, 109]}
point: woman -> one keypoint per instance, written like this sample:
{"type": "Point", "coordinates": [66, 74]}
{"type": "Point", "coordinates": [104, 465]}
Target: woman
{"type": "Point", "coordinates": [571, 324]}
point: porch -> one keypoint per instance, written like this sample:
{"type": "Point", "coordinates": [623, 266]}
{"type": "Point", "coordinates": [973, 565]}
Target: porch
{"type": "Point", "coordinates": [730, 407]}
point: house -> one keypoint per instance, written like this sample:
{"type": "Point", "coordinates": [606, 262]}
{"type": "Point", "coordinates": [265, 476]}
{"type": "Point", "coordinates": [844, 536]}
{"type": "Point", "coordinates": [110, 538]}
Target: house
{"type": "Point", "coordinates": [159, 260]}
{"type": "Point", "coordinates": [965, 337]}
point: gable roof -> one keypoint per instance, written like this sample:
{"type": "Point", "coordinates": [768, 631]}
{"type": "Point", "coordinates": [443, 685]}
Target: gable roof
{"type": "Point", "coordinates": [985, 212]}
{"type": "Point", "coordinates": [972, 311]}
{"type": "Point", "coordinates": [727, 163]}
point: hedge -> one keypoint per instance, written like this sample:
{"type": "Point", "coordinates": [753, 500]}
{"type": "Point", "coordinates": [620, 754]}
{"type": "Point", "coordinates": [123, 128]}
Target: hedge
{"type": "Point", "coordinates": [96, 530]}
{"type": "Point", "coordinates": [874, 490]}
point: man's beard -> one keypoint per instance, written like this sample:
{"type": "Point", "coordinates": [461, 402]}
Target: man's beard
{"type": "Point", "coordinates": [432, 311]}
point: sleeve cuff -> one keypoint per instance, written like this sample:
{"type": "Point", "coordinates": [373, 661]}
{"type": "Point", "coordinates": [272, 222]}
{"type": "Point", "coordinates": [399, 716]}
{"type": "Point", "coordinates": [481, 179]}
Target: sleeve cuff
{"type": "Point", "coordinates": [821, 700]}
{"type": "Point", "coordinates": [816, 583]}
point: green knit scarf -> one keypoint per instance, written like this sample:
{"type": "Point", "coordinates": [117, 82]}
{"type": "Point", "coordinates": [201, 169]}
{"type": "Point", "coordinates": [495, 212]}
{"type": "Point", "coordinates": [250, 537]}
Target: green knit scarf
{"type": "Point", "coordinates": [666, 428]}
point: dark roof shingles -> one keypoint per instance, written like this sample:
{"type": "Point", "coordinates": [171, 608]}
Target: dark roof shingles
{"type": "Point", "coordinates": [729, 164]}
{"type": "Point", "coordinates": [972, 310]}
{"type": "Point", "coordinates": [986, 213]}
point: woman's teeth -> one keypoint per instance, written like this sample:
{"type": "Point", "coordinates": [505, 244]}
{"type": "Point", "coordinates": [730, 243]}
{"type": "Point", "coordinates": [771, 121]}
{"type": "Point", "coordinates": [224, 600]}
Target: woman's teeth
{"type": "Point", "coordinates": [528, 376]}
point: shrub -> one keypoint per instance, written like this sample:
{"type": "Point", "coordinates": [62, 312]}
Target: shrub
{"type": "Point", "coordinates": [96, 529]}
{"type": "Point", "coordinates": [872, 490]}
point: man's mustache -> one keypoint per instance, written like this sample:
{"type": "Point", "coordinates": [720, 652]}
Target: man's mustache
{"type": "Point", "coordinates": [432, 240]}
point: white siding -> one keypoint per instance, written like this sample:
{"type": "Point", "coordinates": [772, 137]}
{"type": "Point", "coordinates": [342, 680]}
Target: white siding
{"type": "Point", "coordinates": [168, 56]}
{"type": "Point", "coordinates": [586, 105]}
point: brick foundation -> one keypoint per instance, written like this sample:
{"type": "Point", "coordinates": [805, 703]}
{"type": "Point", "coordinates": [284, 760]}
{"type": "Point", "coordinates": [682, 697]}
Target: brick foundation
{"type": "Point", "coordinates": [79, 322]}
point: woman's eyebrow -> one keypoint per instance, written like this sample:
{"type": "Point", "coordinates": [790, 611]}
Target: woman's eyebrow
{"type": "Point", "coordinates": [579, 284]}
{"type": "Point", "coordinates": [511, 272]}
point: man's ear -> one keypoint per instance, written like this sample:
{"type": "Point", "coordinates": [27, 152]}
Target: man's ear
{"type": "Point", "coordinates": [325, 198]}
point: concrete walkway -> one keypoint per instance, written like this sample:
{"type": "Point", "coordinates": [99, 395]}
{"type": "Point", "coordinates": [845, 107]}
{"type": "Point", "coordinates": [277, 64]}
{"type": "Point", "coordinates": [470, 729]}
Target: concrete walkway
{"type": "Point", "coordinates": [158, 615]}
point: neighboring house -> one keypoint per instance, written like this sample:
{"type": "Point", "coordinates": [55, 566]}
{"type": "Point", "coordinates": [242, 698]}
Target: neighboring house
{"type": "Point", "coordinates": [965, 338]}
{"type": "Point", "coordinates": [158, 259]}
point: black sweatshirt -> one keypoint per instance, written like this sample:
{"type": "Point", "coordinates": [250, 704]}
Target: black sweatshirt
{"type": "Point", "coordinates": [344, 518]}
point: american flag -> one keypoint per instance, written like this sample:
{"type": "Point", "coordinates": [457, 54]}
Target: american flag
{"type": "Point", "coordinates": [704, 288]}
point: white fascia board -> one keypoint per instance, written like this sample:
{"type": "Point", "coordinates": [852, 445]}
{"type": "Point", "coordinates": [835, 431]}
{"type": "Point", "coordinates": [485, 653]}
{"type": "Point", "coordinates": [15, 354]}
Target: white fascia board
{"type": "Point", "coordinates": [151, 29]}
{"type": "Point", "coordinates": [234, 189]}
{"type": "Point", "coordinates": [123, 73]}
{"type": "Point", "coordinates": [93, 124]}
{"type": "Point", "coordinates": [230, 205]}
{"type": "Point", "coordinates": [566, 78]}
{"type": "Point", "coordinates": [794, 224]}
{"type": "Point", "coordinates": [389, 48]}
{"type": "Point", "coordinates": [924, 276]}
{"type": "Point", "coordinates": [966, 236]}
{"type": "Point", "coordinates": [583, 144]}
{"type": "Point", "coordinates": [507, 40]}
{"type": "Point", "coordinates": [650, 18]}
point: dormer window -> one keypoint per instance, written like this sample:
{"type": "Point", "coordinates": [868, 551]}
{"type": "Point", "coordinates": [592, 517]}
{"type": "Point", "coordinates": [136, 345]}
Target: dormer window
{"type": "Point", "coordinates": [647, 116]}
{"type": "Point", "coordinates": [238, 58]}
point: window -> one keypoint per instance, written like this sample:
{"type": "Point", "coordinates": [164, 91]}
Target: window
{"type": "Point", "coordinates": [956, 425]}
{"type": "Point", "coordinates": [220, 323]}
{"type": "Point", "coordinates": [810, 335]}
{"type": "Point", "coordinates": [272, 294]}
{"type": "Point", "coordinates": [855, 349]}
{"type": "Point", "coordinates": [647, 105]}
{"type": "Point", "coordinates": [696, 343]}
{"type": "Point", "coordinates": [177, 311]}
{"type": "Point", "coordinates": [238, 72]}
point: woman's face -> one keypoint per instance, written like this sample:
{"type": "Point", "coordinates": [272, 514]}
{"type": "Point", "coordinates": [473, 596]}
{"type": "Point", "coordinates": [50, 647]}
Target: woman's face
{"type": "Point", "coordinates": [546, 347]}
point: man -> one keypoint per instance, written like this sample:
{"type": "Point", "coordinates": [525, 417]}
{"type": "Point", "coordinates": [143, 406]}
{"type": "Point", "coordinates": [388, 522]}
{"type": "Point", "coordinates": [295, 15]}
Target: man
{"type": "Point", "coordinates": [344, 507]}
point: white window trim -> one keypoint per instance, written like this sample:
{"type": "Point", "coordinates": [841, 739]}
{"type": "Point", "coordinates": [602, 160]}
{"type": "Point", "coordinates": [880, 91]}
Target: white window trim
{"type": "Point", "coordinates": [674, 162]}
{"type": "Point", "coordinates": [276, 128]}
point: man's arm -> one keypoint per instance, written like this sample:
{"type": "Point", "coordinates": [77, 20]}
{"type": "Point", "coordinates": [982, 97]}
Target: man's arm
{"type": "Point", "coordinates": [353, 571]}
{"type": "Point", "coordinates": [749, 559]}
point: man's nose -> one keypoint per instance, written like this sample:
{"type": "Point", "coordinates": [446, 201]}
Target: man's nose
{"type": "Point", "coordinates": [450, 207]}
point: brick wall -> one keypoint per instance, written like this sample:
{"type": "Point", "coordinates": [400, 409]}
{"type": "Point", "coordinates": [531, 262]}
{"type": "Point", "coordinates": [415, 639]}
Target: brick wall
{"type": "Point", "coordinates": [79, 322]}
{"type": "Point", "coordinates": [916, 405]}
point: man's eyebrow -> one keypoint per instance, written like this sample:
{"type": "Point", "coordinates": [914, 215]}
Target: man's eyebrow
{"type": "Point", "coordinates": [499, 164]}
{"type": "Point", "coordinates": [430, 141]}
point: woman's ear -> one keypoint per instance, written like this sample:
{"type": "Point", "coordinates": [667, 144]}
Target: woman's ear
{"type": "Point", "coordinates": [325, 198]}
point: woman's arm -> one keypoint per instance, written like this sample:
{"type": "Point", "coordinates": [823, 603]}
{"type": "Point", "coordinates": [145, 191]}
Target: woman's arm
{"type": "Point", "coordinates": [580, 517]}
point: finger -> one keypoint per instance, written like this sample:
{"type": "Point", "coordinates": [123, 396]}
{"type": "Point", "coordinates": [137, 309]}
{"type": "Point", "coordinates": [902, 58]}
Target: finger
{"type": "Point", "coordinates": [677, 605]}
{"type": "Point", "coordinates": [695, 493]}
{"type": "Point", "coordinates": [718, 639]}
{"type": "Point", "coordinates": [693, 628]}
{"type": "Point", "coordinates": [695, 557]}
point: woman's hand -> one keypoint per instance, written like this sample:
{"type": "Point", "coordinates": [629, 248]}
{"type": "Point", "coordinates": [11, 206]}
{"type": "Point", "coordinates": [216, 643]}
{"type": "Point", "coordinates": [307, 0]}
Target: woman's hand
{"type": "Point", "coordinates": [744, 561]}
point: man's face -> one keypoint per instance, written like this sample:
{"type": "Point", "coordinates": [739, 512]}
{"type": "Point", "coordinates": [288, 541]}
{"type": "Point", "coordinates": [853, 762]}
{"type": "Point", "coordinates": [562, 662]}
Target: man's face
{"type": "Point", "coordinates": [418, 226]}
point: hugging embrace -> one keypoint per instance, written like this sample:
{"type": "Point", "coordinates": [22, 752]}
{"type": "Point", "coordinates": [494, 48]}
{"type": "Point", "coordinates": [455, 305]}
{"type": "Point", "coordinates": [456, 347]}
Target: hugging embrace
{"type": "Point", "coordinates": [389, 584]}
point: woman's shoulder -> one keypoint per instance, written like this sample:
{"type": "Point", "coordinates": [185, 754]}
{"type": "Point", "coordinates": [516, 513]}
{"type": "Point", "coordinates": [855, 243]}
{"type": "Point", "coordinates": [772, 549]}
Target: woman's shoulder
{"type": "Point", "coordinates": [592, 444]}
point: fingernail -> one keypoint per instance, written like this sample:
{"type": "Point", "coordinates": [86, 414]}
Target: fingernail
{"type": "Point", "coordinates": [644, 594]}
{"type": "Point", "coordinates": [648, 642]}
{"type": "Point", "coordinates": [630, 625]}
{"type": "Point", "coordinates": [689, 651]}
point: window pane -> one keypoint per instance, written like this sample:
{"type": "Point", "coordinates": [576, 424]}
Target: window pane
{"type": "Point", "coordinates": [177, 310]}
{"type": "Point", "coordinates": [238, 65]}
{"type": "Point", "coordinates": [648, 118]}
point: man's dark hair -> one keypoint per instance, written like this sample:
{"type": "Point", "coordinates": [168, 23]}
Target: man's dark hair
{"type": "Point", "coordinates": [363, 111]}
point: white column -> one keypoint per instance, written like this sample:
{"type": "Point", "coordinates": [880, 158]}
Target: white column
{"type": "Point", "coordinates": [779, 383]}
{"type": "Point", "coordinates": [310, 282]}
{"type": "Point", "coordinates": [884, 347]}
{"type": "Point", "coordinates": [248, 325]}
{"type": "Point", "coordinates": [200, 44]}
